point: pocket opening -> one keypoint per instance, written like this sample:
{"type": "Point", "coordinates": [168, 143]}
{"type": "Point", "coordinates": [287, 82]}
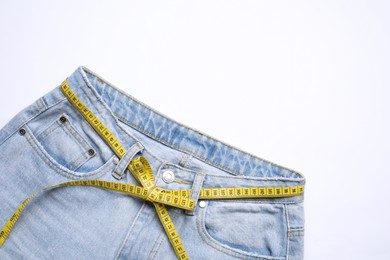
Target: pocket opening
{"type": "Point", "coordinates": [62, 147]}
{"type": "Point", "coordinates": [251, 229]}
{"type": "Point", "coordinates": [65, 143]}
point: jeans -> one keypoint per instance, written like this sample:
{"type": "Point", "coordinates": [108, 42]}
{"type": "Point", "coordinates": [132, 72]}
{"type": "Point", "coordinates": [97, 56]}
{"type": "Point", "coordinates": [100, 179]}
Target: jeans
{"type": "Point", "coordinates": [57, 145]}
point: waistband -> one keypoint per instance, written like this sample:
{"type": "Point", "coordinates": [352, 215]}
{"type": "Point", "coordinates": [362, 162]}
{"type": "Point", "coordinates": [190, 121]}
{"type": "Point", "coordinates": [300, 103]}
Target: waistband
{"type": "Point", "coordinates": [112, 104]}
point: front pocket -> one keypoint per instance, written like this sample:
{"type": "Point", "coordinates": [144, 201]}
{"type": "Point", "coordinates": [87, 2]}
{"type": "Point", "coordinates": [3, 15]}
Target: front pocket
{"type": "Point", "coordinates": [65, 144]}
{"type": "Point", "coordinates": [245, 227]}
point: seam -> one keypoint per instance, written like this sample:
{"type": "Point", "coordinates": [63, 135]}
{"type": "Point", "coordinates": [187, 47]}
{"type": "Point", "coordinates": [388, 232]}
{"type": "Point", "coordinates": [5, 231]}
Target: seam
{"type": "Point", "coordinates": [236, 174]}
{"type": "Point", "coordinates": [236, 177]}
{"type": "Point", "coordinates": [257, 201]}
{"type": "Point", "coordinates": [240, 177]}
{"type": "Point", "coordinates": [163, 236]}
{"type": "Point", "coordinates": [194, 183]}
{"type": "Point", "coordinates": [287, 234]}
{"type": "Point", "coordinates": [53, 164]}
{"type": "Point", "coordinates": [28, 120]}
{"type": "Point", "coordinates": [53, 127]}
{"type": "Point", "coordinates": [182, 168]}
{"type": "Point", "coordinates": [291, 236]}
{"type": "Point", "coordinates": [41, 104]}
{"type": "Point", "coordinates": [180, 124]}
{"type": "Point", "coordinates": [176, 147]}
{"type": "Point", "coordinates": [104, 104]}
{"type": "Point", "coordinates": [197, 186]}
{"type": "Point", "coordinates": [56, 103]}
{"type": "Point", "coordinates": [128, 233]}
{"type": "Point", "coordinates": [299, 232]}
{"type": "Point", "coordinates": [152, 155]}
{"type": "Point", "coordinates": [188, 160]}
{"type": "Point", "coordinates": [296, 230]}
{"type": "Point", "coordinates": [116, 122]}
{"type": "Point", "coordinates": [201, 157]}
{"type": "Point", "coordinates": [69, 130]}
{"type": "Point", "coordinates": [44, 102]}
{"type": "Point", "coordinates": [185, 160]}
{"type": "Point", "coordinates": [181, 181]}
{"type": "Point", "coordinates": [209, 241]}
{"type": "Point", "coordinates": [75, 133]}
{"type": "Point", "coordinates": [87, 96]}
{"type": "Point", "coordinates": [198, 181]}
{"type": "Point", "coordinates": [80, 162]}
{"type": "Point", "coordinates": [48, 130]}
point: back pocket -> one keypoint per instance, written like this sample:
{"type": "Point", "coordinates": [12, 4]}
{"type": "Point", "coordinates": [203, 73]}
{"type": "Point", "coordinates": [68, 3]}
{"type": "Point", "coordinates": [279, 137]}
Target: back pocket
{"type": "Point", "coordinates": [65, 144]}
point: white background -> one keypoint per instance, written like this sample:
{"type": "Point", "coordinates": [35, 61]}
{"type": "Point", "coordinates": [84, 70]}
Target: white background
{"type": "Point", "coordinates": [302, 84]}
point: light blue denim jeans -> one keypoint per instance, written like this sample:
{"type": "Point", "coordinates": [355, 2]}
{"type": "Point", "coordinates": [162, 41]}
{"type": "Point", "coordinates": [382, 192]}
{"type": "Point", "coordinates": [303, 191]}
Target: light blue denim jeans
{"type": "Point", "coordinates": [59, 145]}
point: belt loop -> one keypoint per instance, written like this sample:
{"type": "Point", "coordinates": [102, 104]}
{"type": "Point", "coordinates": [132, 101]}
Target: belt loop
{"type": "Point", "coordinates": [125, 160]}
{"type": "Point", "coordinates": [195, 191]}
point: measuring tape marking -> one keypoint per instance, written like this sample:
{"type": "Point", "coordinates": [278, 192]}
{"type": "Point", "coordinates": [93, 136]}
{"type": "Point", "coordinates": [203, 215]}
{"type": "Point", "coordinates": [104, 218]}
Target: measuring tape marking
{"type": "Point", "coordinates": [170, 230]}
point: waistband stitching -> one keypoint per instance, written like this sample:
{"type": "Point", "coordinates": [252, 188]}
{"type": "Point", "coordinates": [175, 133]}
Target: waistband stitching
{"type": "Point", "coordinates": [83, 71]}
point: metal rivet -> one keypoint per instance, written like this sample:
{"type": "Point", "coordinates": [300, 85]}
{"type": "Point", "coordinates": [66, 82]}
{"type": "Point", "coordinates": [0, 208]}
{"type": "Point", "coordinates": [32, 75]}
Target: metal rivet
{"type": "Point", "coordinates": [22, 131]}
{"type": "Point", "coordinates": [202, 203]}
{"type": "Point", "coordinates": [63, 119]}
{"type": "Point", "coordinates": [91, 152]}
{"type": "Point", "coordinates": [116, 160]}
{"type": "Point", "coordinates": [168, 176]}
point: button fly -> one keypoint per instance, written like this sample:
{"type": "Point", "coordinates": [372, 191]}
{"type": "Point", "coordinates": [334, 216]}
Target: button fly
{"type": "Point", "coordinates": [168, 176]}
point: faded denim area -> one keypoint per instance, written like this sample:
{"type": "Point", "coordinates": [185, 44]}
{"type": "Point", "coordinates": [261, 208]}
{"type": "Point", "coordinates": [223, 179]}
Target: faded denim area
{"type": "Point", "coordinates": [50, 142]}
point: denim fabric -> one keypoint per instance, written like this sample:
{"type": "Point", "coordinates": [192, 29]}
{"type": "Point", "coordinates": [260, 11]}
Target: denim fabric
{"type": "Point", "coordinates": [91, 223]}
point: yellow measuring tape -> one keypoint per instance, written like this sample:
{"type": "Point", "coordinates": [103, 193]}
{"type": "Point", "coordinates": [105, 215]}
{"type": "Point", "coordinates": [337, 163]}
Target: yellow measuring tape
{"type": "Point", "coordinates": [142, 171]}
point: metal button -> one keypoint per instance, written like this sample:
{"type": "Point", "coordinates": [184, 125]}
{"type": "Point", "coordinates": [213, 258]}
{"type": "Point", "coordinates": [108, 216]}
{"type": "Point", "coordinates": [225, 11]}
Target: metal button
{"type": "Point", "coordinates": [202, 203]}
{"type": "Point", "coordinates": [63, 119]}
{"type": "Point", "coordinates": [116, 160]}
{"type": "Point", "coordinates": [168, 176]}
